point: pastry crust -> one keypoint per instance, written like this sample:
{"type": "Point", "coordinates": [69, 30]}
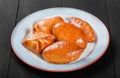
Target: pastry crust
{"type": "Point", "coordinates": [46, 25]}
{"type": "Point", "coordinates": [85, 27]}
{"type": "Point", "coordinates": [69, 32]}
{"type": "Point", "coordinates": [61, 52]}
{"type": "Point", "coordinates": [38, 41]}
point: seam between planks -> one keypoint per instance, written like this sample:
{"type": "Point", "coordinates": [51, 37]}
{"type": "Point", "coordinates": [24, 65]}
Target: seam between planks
{"type": "Point", "coordinates": [17, 10]}
{"type": "Point", "coordinates": [108, 15]}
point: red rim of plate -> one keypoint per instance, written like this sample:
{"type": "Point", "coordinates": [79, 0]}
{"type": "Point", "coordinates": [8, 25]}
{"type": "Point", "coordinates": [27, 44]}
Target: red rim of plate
{"type": "Point", "coordinates": [70, 69]}
{"type": "Point", "coordinates": [66, 70]}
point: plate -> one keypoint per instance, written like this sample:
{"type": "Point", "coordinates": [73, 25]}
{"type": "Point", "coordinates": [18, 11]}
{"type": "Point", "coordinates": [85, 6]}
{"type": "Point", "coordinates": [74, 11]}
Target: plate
{"type": "Point", "coordinates": [92, 53]}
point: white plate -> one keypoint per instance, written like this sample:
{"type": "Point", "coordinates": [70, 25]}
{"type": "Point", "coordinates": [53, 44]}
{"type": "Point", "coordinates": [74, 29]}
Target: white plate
{"type": "Point", "coordinates": [92, 53]}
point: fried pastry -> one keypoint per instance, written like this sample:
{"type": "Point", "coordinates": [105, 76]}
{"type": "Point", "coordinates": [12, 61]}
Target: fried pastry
{"type": "Point", "coordinates": [46, 25]}
{"type": "Point", "coordinates": [85, 27]}
{"type": "Point", "coordinates": [37, 41]}
{"type": "Point", "coordinates": [69, 32]}
{"type": "Point", "coordinates": [61, 52]}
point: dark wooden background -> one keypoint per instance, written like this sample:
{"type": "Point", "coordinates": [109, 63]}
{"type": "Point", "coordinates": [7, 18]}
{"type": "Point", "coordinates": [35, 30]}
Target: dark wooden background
{"type": "Point", "coordinates": [12, 11]}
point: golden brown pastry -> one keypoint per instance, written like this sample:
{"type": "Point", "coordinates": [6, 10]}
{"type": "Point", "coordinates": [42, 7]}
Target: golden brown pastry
{"type": "Point", "coordinates": [85, 27]}
{"type": "Point", "coordinates": [61, 52]}
{"type": "Point", "coordinates": [32, 45]}
{"type": "Point", "coordinates": [69, 32]}
{"type": "Point", "coordinates": [46, 25]}
{"type": "Point", "coordinates": [38, 41]}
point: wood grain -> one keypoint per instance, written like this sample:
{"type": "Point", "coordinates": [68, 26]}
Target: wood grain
{"type": "Point", "coordinates": [114, 18]}
{"type": "Point", "coordinates": [8, 10]}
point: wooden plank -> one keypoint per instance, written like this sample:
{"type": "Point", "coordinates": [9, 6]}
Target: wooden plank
{"type": "Point", "coordinates": [8, 11]}
{"type": "Point", "coordinates": [97, 8]}
{"type": "Point", "coordinates": [114, 18]}
{"type": "Point", "coordinates": [101, 69]}
{"type": "Point", "coordinates": [28, 7]}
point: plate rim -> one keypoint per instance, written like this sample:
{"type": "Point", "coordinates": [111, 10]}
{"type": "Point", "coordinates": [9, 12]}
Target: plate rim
{"type": "Point", "coordinates": [84, 66]}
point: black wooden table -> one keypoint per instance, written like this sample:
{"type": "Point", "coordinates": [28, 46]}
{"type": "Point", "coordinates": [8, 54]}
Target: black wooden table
{"type": "Point", "coordinates": [12, 11]}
